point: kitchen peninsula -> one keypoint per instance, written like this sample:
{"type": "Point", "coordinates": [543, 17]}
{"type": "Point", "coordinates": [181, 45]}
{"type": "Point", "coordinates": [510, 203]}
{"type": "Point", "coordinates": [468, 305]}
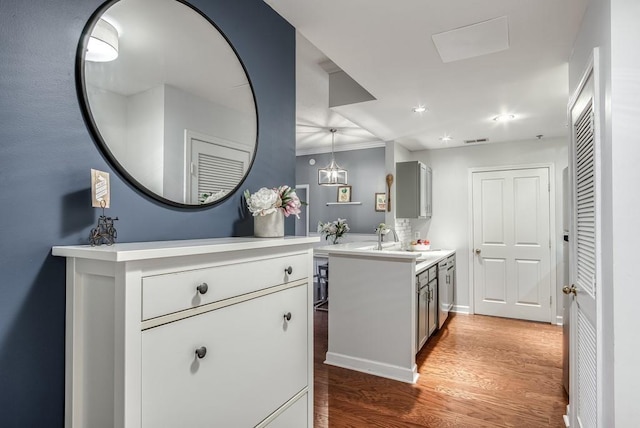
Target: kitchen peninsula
{"type": "Point", "coordinates": [374, 306]}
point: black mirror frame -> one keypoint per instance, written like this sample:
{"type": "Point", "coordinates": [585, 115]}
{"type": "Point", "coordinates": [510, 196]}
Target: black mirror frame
{"type": "Point", "coordinates": [97, 136]}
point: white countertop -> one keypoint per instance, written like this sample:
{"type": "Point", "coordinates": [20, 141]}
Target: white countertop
{"type": "Point", "coordinates": [158, 249]}
{"type": "Point", "coordinates": [367, 249]}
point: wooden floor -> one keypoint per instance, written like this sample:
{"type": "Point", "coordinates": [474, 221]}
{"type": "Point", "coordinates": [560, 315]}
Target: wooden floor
{"type": "Point", "coordinates": [477, 372]}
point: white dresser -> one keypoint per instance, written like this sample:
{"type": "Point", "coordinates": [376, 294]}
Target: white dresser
{"type": "Point", "coordinates": [198, 333]}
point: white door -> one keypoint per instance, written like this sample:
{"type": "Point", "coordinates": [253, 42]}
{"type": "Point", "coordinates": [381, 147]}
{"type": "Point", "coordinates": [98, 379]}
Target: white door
{"type": "Point", "coordinates": [585, 392]}
{"type": "Point", "coordinates": [511, 243]}
{"type": "Point", "coordinates": [214, 166]}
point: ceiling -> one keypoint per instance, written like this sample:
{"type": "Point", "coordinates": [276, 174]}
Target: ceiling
{"type": "Point", "coordinates": [156, 39]}
{"type": "Point", "coordinates": [387, 48]}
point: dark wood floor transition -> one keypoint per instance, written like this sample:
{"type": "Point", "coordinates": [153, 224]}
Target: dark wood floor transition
{"type": "Point", "coordinates": [477, 371]}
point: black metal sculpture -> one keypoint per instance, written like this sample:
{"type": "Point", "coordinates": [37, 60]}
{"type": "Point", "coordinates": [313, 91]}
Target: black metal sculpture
{"type": "Point", "coordinates": [104, 232]}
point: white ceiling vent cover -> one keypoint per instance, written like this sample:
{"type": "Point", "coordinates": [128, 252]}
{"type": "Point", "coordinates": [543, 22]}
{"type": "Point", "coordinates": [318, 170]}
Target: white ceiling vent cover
{"type": "Point", "coordinates": [473, 40]}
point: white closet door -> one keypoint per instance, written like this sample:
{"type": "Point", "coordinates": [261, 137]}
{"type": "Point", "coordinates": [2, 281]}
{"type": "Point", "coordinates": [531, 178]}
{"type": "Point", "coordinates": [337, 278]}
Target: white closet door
{"type": "Point", "coordinates": [215, 166]}
{"type": "Point", "coordinates": [584, 249]}
{"type": "Point", "coordinates": [511, 223]}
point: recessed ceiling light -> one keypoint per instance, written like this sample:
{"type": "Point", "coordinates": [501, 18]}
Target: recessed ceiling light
{"type": "Point", "coordinates": [504, 117]}
{"type": "Point", "coordinates": [419, 109]}
{"type": "Point", "coordinates": [445, 138]}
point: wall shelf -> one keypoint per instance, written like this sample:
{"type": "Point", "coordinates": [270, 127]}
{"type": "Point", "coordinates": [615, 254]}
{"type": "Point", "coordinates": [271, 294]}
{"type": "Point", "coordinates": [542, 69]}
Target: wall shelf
{"type": "Point", "coordinates": [344, 203]}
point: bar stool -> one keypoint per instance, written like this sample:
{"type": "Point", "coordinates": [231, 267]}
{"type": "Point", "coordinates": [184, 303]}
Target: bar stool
{"type": "Point", "coordinates": [323, 282]}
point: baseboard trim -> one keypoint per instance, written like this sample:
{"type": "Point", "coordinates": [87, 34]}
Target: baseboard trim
{"type": "Point", "coordinates": [565, 418]}
{"type": "Point", "coordinates": [460, 309]}
{"type": "Point", "coordinates": [559, 320]}
{"type": "Point", "coordinates": [373, 367]}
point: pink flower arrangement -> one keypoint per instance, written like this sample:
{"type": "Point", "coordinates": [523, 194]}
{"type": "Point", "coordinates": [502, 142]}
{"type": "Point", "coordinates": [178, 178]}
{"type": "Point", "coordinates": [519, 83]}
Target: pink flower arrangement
{"type": "Point", "coordinates": [266, 201]}
{"type": "Point", "coordinates": [289, 201]}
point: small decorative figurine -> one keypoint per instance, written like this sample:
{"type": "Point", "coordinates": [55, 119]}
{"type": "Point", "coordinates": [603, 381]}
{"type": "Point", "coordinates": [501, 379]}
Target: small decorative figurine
{"type": "Point", "coordinates": [104, 232]}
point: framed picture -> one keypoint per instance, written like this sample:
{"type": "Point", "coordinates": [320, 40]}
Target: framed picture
{"type": "Point", "coordinates": [344, 193]}
{"type": "Point", "coordinates": [381, 202]}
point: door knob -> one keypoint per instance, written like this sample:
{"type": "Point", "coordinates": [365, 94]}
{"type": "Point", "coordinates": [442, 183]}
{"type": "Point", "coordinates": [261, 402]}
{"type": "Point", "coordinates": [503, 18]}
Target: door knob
{"type": "Point", "coordinates": [570, 290]}
{"type": "Point", "coordinates": [478, 250]}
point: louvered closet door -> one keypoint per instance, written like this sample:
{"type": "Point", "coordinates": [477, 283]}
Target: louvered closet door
{"type": "Point", "coordinates": [215, 168]}
{"type": "Point", "coordinates": [584, 391]}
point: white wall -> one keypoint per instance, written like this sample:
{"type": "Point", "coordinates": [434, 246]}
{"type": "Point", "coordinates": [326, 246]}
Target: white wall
{"type": "Point", "coordinates": [111, 117]}
{"type": "Point", "coordinates": [611, 25]}
{"type": "Point", "coordinates": [625, 111]}
{"type": "Point", "coordinates": [188, 111]}
{"type": "Point", "coordinates": [595, 31]}
{"type": "Point", "coordinates": [449, 224]}
{"type": "Point", "coordinates": [132, 127]}
{"type": "Point", "coordinates": [143, 156]}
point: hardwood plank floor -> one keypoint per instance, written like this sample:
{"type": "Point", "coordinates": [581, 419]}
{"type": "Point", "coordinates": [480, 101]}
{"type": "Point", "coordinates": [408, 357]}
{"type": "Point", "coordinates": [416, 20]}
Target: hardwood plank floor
{"type": "Point", "coordinates": [476, 372]}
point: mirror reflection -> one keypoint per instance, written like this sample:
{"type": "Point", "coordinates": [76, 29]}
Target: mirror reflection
{"type": "Point", "coordinates": [174, 111]}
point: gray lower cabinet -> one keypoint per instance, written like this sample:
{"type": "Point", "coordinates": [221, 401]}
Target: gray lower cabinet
{"type": "Point", "coordinates": [427, 306]}
{"type": "Point", "coordinates": [432, 322]}
{"type": "Point", "coordinates": [422, 314]}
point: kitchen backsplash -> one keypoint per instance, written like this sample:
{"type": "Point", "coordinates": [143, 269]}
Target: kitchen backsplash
{"type": "Point", "coordinates": [403, 229]}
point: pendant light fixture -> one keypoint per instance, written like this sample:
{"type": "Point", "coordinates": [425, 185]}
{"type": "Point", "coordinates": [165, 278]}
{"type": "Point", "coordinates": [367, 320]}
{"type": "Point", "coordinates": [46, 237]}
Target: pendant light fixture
{"type": "Point", "coordinates": [333, 174]}
{"type": "Point", "coordinates": [103, 43]}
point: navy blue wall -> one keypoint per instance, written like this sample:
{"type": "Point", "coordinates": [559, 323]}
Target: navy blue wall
{"type": "Point", "coordinates": [46, 153]}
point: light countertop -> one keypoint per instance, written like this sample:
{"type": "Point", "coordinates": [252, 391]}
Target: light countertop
{"type": "Point", "coordinates": [368, 249]}
{"type": "Point", "coordinates": [159, 249]}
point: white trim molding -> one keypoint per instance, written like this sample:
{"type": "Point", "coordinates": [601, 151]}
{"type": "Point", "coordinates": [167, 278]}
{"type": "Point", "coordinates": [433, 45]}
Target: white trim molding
{"type": "Point", "coordinates": [460, 309]}
{"type": "Point", "coordinates": [341, 148]}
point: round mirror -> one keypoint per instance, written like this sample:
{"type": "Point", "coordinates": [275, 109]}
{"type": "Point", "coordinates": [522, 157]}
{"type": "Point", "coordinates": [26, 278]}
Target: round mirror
{"type": "Point", "coordinates": [168, 100]}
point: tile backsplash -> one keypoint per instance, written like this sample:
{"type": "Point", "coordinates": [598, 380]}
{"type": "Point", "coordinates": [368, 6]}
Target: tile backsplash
{"type": "Point", "coordinates": [403, 229]}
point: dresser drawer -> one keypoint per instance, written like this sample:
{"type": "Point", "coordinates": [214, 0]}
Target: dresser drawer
{"type": "Point", "coordinates": [255, 362]}
{"type": "Point", "coordinates": [295, 416]}
{"type": "Point", "coordinates": [169, 293]}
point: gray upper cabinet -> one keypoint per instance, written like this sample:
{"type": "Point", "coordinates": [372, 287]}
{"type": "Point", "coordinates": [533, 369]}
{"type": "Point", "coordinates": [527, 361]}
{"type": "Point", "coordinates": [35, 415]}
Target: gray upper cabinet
{"type": "Point", "coordinates": [413, 190]}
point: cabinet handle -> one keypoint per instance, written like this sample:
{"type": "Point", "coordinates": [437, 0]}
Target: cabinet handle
{"type": "Point", "coordinates": [201, 352]}
{"type": "Point", "coordinates": [202, 288]}
{"type": "Point", "coordinates": [287, 316]}
{"type": "Point", "coordinates": [289, 270]}
{"type": "Point", "coordinates": [447, 279]}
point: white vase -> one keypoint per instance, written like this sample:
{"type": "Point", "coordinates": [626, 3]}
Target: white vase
{"type": "Point", "coordinates": [269, 226]}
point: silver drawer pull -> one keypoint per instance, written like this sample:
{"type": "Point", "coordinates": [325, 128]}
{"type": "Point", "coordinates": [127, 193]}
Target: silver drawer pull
{"type": "Point", "coordinates": [202, 288]}
{"type": "Point", "coordinates": [287, 316]}
{"type": "Point", "coordinates": [289, 270]}
{"type": "Point", "coordinates": [201, 352]}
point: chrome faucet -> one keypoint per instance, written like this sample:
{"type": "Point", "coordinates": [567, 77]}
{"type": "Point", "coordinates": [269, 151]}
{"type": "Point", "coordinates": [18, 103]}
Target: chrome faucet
{"type": "Point", "coordinates": [380, 231]}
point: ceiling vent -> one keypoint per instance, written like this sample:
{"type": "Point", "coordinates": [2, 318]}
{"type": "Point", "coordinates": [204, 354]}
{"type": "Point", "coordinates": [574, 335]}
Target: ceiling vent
{"type": "Point", "coordinates": [479, 140]}
{"type": "Point", "coordinates": [473, 40]}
